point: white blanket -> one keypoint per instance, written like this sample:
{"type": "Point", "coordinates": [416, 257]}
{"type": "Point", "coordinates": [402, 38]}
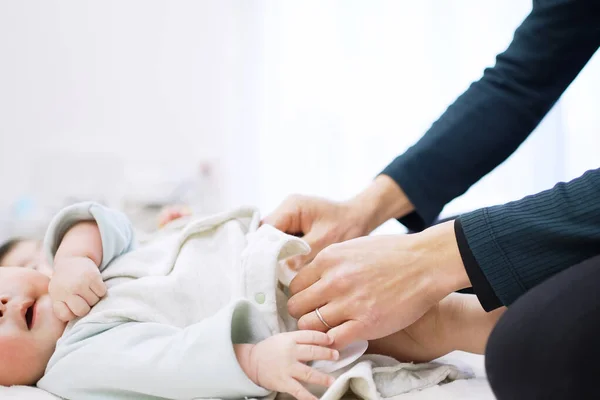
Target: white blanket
{"type": "Point", "coordinates": [380, 377]}
{"type": "Point", "coordinates": [359, 387]}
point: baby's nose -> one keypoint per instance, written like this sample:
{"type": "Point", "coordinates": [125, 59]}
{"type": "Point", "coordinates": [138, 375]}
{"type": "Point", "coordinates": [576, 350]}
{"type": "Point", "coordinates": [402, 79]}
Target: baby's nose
{"type": "Point", "coordinates": [3, 301]}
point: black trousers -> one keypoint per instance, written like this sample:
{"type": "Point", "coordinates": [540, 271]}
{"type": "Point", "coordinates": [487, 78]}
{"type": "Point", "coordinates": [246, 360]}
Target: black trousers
{"type": "Point", "coordinates": [547, 344]}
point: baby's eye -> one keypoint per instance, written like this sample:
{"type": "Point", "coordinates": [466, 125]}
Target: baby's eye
{"type": "Point", "coordinates": [31, 266]}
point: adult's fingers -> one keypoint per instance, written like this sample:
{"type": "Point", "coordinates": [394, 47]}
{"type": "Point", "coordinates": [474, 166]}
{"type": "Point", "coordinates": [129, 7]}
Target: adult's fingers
{"type": "Point", "coordinates": [310, 274]}
{"type": "Point", "coordinates": [333, 314]}
{"type": "Point", "coordinates": [286, 217]}
{"type": "Point", "coordinates": [307, 374]}
{"type": "Point", "coordinates": [309, 299]}
{"type": "Point", "coordinates": [308, 352]}
{"type": "Point", "coordinates": [316, 239]}
{"type": "Point", "coordinates": [347, 333]}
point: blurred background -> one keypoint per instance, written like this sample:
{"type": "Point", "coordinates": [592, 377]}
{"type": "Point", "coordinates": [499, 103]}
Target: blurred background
{"type": "Point", "coordinates": [216, 103]}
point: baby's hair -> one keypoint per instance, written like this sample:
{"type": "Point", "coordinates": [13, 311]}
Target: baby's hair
{"type": "Point", "coordinates": [7, 247]}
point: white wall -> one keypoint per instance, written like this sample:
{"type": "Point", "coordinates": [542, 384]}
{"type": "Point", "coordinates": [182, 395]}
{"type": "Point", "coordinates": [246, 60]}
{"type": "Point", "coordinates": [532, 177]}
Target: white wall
{"type": "Point", "coordinates": [351, 84]}
{"type": "Point", "coordinates": [313, 97]}
{"type": "Point", "coordinates": [149, 81]}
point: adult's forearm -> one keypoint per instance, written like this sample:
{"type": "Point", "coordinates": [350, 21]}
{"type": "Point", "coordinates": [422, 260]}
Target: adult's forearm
{"type": "Point", "coordinates": [496, 114]}
{"type": "Point", "coordinates": [520, 244]}
{"type": "Point", "coordinates": [382, 200]}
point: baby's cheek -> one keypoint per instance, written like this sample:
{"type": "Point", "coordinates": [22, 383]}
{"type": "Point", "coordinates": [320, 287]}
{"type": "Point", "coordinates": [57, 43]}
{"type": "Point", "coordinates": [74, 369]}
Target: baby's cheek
{"type": "Point", "coordinates": [20, 362]}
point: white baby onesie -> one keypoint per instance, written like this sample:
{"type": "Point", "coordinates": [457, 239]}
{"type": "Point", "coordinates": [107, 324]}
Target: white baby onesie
{"type": "Point", "coordinates": [174, 309]}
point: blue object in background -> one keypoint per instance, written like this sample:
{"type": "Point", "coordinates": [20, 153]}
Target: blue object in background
{"type": "Point", "coordinates": [24, 207]}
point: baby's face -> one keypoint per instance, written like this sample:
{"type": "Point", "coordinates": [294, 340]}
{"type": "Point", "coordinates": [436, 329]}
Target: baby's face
{"type": "Point", "coordinates": [28, 328]}
{"type": "Point", "coordinates": [28, 254]}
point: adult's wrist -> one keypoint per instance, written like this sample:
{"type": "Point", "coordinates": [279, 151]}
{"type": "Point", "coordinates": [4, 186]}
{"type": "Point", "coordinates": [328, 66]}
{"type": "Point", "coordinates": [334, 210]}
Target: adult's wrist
{"type": "Point", "coordinates": [382, 200]}
{"type": "Point", "coordinates": [439, 247]}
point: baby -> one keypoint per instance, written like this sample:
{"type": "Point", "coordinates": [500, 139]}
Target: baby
{"type": "Point", "coordinates": [198, 313]}
{"type": "Point", "coordinates": [24, 253]}
{"type": "Point", "coordinates": [27, 252]}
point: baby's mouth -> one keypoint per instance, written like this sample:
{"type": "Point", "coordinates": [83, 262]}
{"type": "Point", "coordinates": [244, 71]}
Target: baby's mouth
{"type": "Point", "coordinates": [30, 315]}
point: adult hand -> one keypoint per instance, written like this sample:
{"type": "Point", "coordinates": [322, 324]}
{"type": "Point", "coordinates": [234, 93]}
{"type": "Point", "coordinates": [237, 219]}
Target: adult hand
{"type": "Point", "coordinates": [371, 287]}
{"type": "Point", "coordinates": [458, 322]}
{"type": "Point", "coordinates": [322, 222]}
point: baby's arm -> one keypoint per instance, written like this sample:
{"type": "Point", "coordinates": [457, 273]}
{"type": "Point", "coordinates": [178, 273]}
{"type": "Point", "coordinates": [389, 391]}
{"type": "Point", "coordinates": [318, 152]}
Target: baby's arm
{"type": "Point", "coordinates": [116, 233]}
{"type": "Point", "coordinates": [148, 359]}
{"type": "Point", "coordinates": [81, 239]}
{"type": "Point", "coordinates": [76, 284]}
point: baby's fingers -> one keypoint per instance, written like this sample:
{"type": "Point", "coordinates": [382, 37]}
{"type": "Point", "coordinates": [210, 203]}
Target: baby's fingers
{"type": "Point", "coordinates": [98, 287]}
{"type": "Point", "coordinates": [312, 337]}
{"type": "Point", "coordinates": [306, 352]}
{"type": "Point", "coordinates": [294, 388]}
{"type": "Point", "coordinates": [304, 373]}
{"type": "Point", "coordinates": [62, 312]}
{"type": "Point", "coordinates": [89, 296]}
{"type": "Point", "coordinates": [78, 305]}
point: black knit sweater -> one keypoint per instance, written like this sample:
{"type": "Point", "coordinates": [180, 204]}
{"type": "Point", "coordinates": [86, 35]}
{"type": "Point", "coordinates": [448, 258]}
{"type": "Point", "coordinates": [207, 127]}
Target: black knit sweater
{"type": "Point", "coordinates": [508, 249]}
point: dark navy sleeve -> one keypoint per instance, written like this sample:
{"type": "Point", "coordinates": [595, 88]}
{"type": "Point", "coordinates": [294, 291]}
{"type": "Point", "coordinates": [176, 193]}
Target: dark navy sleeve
{"type": "Point", "coordinates": [518, 245]}
{"type": "Point", "coordinates": [495, 115]}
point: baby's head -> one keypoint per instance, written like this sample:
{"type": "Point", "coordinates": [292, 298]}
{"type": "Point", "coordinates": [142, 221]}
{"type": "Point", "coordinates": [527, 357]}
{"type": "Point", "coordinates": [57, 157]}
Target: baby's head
{"type": "Point", "coordinates": [24, 253]}
{"type": "Point", "coordinates": [29, 329]}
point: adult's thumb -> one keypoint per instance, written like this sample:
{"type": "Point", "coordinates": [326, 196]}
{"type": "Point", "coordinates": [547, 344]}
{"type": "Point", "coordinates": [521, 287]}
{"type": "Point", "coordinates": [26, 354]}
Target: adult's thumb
{"type": "Point", "coordinates": [315, 241]}
{"type": "Point", "coordinates": [281, 220]}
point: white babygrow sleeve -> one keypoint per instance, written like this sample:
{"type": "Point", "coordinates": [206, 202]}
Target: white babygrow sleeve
{"type": "Point", "coordinates": [150, 360]}
{"type": "Point", "coordinates": [115, 230]}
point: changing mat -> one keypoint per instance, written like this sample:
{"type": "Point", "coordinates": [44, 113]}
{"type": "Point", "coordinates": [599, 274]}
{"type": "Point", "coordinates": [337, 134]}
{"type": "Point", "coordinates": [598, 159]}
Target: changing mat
{"type": "Point", "coordinates": [370, 377]}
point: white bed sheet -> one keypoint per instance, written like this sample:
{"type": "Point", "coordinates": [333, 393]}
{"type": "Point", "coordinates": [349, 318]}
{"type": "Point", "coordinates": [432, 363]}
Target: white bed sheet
{"type": "Point", "coordinates": [477, 388]}
{"type": "Point", "coordinates": [470, 389]}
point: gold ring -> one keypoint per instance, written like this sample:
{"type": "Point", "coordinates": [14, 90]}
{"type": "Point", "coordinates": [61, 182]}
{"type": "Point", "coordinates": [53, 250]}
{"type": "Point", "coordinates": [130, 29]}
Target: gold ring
{"type": "Point", "coordinates": [321, 318]}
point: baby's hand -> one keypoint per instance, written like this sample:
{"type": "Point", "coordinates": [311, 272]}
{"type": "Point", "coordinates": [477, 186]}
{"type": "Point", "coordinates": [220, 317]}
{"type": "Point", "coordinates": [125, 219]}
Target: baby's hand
{"type": "Point", "coordinates": [171, 213]}
{"type": "Point", "coordinates": [75, 287]}
{"type": "Point", "coordinates": [278, 363]}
